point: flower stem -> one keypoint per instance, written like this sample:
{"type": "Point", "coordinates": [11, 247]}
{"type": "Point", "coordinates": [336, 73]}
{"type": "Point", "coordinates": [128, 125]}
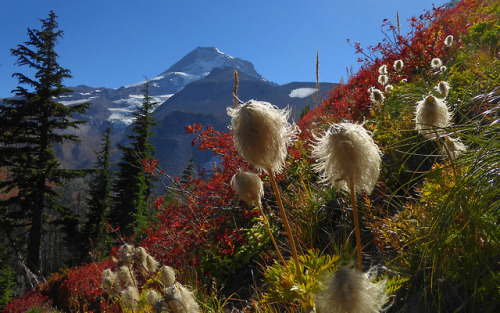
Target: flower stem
{"type": "Point", "coordinates": [287, 226]}
{"type": "Point", "coordinates": [266, 223]}
{"type": "Point", "coordinates": [356, 227]}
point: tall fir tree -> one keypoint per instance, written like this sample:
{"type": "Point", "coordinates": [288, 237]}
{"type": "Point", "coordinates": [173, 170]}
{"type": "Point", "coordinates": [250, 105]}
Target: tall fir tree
{"type": "Point", "coordinates": [100, 199]}
{"type": "Point", "coordinates": [30, 124]}
{"type": "Point", "coordinates": [133, 185]}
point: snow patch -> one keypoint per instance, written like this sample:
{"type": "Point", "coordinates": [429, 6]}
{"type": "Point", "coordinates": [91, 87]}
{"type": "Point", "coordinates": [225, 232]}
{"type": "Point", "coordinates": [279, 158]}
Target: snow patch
{"type": "Point", "coordinates": [71, 102]}
{"type": "Point", "coordinates": [145, 81]}
{"type": "Point", "coordinates": [302, 92]}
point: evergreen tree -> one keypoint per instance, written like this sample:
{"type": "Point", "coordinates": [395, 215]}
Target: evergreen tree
{"type": "Point", "coordinates": [133, 185]}
{"type": "Point", "coordinates": [30, 124]}
{"type": "Point", "coordinates": [100, 198]}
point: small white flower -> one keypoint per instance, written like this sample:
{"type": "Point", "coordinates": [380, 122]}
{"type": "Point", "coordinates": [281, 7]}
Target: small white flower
{"type": "Point", "coordinates": [431, 117]}
{"type": "Point", "coordinates": [448, 41]}
{"type": "Point", "coordinates": [261, 134]}
{"type": "Point", "coordinates": [248, 186]}
{"type": "Point", "coordinates": [398, 65]}
{"type": "Point", "coordinates": [347, 154]}
{"type": "Point", "coordinates": [376, 96]}
{"type": "Point", "coordinates": [383, 79]}
{"type": "Point", "coordinates": [382, 69]}
{"type": "Point", "coordinates": [349, 290]}
{"type": "Point", "coordinates": [436, 63]}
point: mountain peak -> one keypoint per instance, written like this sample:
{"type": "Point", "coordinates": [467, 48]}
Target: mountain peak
{"type": "Point", "coordinates": [203, 60]}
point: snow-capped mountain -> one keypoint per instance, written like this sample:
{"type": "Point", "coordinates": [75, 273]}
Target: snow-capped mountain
{"type": "Point", "coordinates": [196, 89]}
{"type": "Point", "coordinates": [197, 64]}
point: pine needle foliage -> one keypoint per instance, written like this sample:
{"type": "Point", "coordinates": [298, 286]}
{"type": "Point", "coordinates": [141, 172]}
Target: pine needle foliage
{"type": "Point", "coordinates": [31, 123]}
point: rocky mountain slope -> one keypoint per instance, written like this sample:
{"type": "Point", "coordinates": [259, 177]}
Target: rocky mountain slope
{"type": "Point", "coordinates": [196, 89]}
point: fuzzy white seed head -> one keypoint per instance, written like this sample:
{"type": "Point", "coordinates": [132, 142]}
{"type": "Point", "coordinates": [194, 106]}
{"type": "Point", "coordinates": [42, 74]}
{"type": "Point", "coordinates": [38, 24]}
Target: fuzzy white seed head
{"type": "Point", "coordinates": [443, 69]}
{"type": "Point", "coordinates": [261, 134]}
{"type": "Point", "coordinates": [404, 80]}
{"type": "Point", "coordinates": [398, 65]}
{"type": "Point", "coordinates": [140, 254]}
{"type": "Point", "coordinates": [182, 300]}
{"type": "Point", "coordinates": [431, 117]}
{"type": "Point", "coordinates": [126, 254]}
{"type": "Point", "coordinates": [151, 265]}
{"type": "Point", "coordinates": [436, 63]}
{"type": "Point", "coordinates": [125, 275]}
{"type": "Point", "coordinates": [248, 186]}
{"type": "Point", "coordinates": [130, 297]}
{"type": "Point", "coordinates": [167, 275]}
{"type": "Point", "coordinates": [377, 97]}
{"type": "Point", "coordinates": [110, 282]}
{"type": "Point", "coordinates": [443, 88]}
{"type": "Point", "coordinates": [382, 69]}
{"type": "Point", "coordinates": [349, 290]}
{"type": "Point", "coordinates": [389, 88]}
{"type": "Point", "coordinates": [448, 41]}
{"type": "Point", "coordinates": [152, 297]}
{"type": "Point", "coordinates": [346, 153]}
{"type": "Point", "coordinates": [453, 148]}
{"type": "Point", "coordinates": [383, 79]}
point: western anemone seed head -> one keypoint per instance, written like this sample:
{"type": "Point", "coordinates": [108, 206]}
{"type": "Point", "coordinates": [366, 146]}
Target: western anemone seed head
{"type": "Point", "coordinates": [261, 133]}
{"type": "Point", "coordinates": [431, 117]}
{"type": "Point", "coordinates": [383, 79]}
{"type": "Point", "coordinates": [153, 298]}
{"type": "Point", "coordinates": [398, 65]}
{"type": "Point", "coordinates": [110, 282]}
{"type": "Point", "coordinates": [454, 147]}
{"type": "Point", "coordinates": [382, 69]}
{"type": "Point", "coordinates": [443, 88]}
{"type": "Point", "coordinates": [346, 153]}
{"type": "Point", "coordinates": [125, 275]}
{"type": "Point", "coordinates": [443, 69]}
{"type": "Point", "coordinates": [448, 41]}
{"type": "Point", "coordinates": [151, 265]}
{"type": "Point", "coordinates": [376, 96]}
{"type": "Point", "coordinates": [349, 290]}
{"type": "Point", "coordinates": [140, 254]}
{"type": "Point", "coordinates": [130, 297]}
{"type": "Point", "coordinates": [248, 186]}
{"type": "Point", "coordinates": [126, 254]}
{"type": "Point", "coordinates": [181, 300]}
{"type": "Point", "coordinates": [167, 275]}
{"type": "Point", "coordinates": [436, 63]}
{"type": "Point", "coordinates": [389, 88]}
{"type": "Point", "coordinates": [404, 80]}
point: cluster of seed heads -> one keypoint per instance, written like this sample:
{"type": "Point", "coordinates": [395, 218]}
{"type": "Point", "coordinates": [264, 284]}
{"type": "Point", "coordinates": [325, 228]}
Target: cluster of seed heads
{"type": "Point", "coordinates": [169, 296]}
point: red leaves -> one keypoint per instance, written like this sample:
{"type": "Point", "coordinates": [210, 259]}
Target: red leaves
{"type": "Point", "coordinates": [149, 165]}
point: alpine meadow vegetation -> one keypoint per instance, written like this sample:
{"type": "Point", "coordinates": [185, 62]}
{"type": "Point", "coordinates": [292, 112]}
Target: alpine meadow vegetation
{"type": "Point", "coordinates": [270, 227]}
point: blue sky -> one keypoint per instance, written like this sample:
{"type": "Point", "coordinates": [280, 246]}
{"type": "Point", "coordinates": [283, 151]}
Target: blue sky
{"type": "Point", "coordinates": [111, 43]}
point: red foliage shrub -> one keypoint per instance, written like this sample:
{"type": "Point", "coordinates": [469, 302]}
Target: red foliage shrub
{"type": "Point", "coordinates": [416, 49]}
{"type": "Point", "coordinates": [203, 215]}
{"type": "Point", "coordinates": [30, 300]}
